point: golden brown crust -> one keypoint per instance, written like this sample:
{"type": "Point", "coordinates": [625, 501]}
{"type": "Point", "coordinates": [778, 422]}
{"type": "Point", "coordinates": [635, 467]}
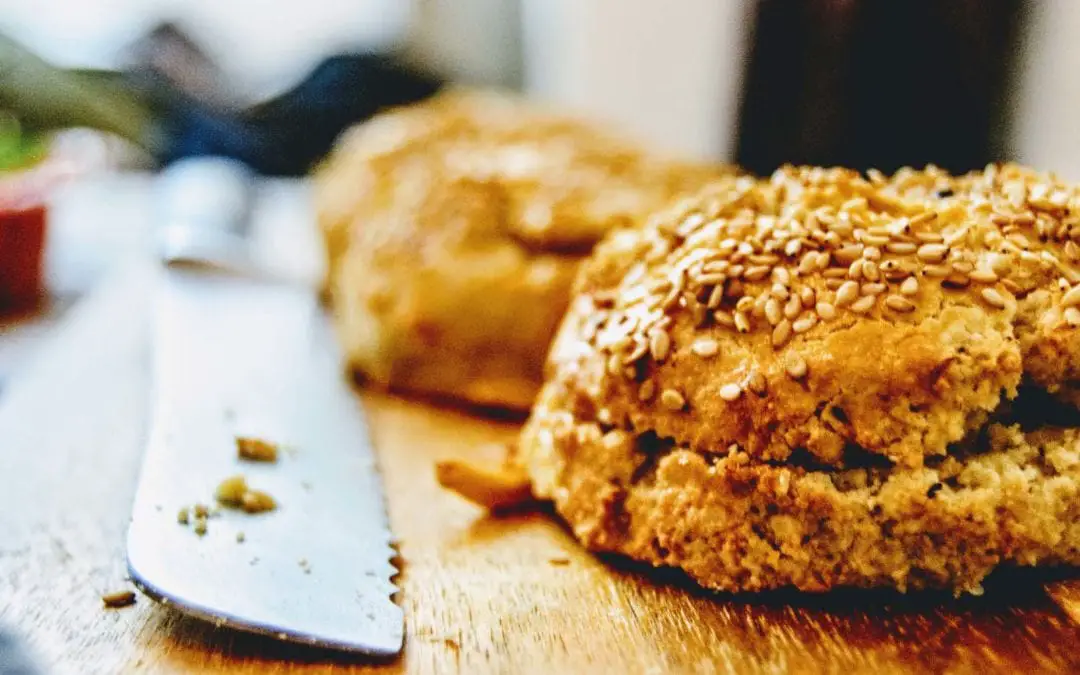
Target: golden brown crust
{"type": "Point", "coordinates": [811, 311]}
{"type": "Point", "coordinates": [734, 524]}
{"type": "Point", "coordinates": [1036, 246]}
{"type": "Point", "coordinates": [454, 229]}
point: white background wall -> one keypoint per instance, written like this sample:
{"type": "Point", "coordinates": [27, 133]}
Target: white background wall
{"type": "Point", "coordinates": [668, 71]}
{"type": "Point", "coordinates": [1046, 120]}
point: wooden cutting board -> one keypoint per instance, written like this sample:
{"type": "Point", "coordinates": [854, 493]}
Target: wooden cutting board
{"type": "Point", "coordinates": [510, 595]}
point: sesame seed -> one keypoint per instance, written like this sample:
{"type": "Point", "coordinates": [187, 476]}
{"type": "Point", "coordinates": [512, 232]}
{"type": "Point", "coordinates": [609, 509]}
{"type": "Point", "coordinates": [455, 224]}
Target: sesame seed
{"type": "Point", "coordinates": [672, 400]}
{"type": "Point", "coordinates": [848, 254]}
{"type": "Point", "coordinates": [742, 322]}
{"type": "Point", "coordinates": [847, 293]}
{"type": "Point", "coordinates": [808, 263]}
{"type": "Point", "coordinates": [796, 367]}
{"type": "Point", "coordinates": [779, 291]}
{"type": "Point", "coordinates": [937, 271]}
{"type": "Point", "coordinates": [792, 247]}
{"type": "Point", "coordinates": [993, 298]}
{"type": "Point", "coordinates": [927, 237]}
{"type": "Point", "coordinates": [901, 247]}
{"type": "Point", "coordinates": [716, 296]}
{"type": "Point", "coordinates": [709, 279]}
{"type": "Point", "coordinates": [808, 296]}
{"type": "Point", "coordinates": [773, 313]}
{"type": "Point", "coordinates": [863, 304]}
{"type": "Point", "coordinates": [724, 318]}
{"type": "Point", "coordinates": [781, 333]}
{"type": "Point", "coordinates": [1071, 298]}
{"type": "Point", "coordinates": [705, 347]}
{"type": "Point", "coordinates": [759, 306]}
{"type": "Point", "coordinates": [835, 273]}
{"type": "Point", "coordinates": [745, 304]}
{"type": "Point", "coordinates": [956, 280]}
{"type": "Point", "coordinates": [764, 259]}
{"type": "Point", "coordinates": [756, 383]}
{"type": "Point", "coordinates": [924, 217]}
{"type": "Point", "coordinates": [983, 276]}
{"type": "Point", "coordinates": [855, 270]}
{"type": "Point", "coordinates": [1072, 251]}
{"type": "Point", "coordinates": [730, 392]}
{"type": "Point", "coordinates": [910, 286]}
{"type": "Point", "coordinates": [873, 289]}
{"type": "Point", "coordinates": [659, 344]}
{"type": "Point", "coordinates": [932, 253]}
{"type": "Point", "coordinates": [781, 276]}
{"type": "Point", "coordinates": [646, 391]}
{"type": "Point", "coordinates": [1020, 240]}
{"type": "Point", "coordinates": [793, 307]}
{"type": "Point", "coordinates": [826, 311]}
{"type": "Point", "coordinates": [804, 323]}
{"type": "Point", "coordinates": [756, 273]}
{"type": "Point", "coordinates": [833, 284]}
{"type": "Point", "coordinates": [899, 303]}
{"type": "Point", "coordinates": [1072, 316]}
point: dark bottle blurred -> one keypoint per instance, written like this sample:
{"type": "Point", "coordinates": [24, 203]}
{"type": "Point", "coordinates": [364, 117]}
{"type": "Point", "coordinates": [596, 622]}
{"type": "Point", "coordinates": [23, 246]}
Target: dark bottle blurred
{"type": "Point", "coordinates": [879, 83]}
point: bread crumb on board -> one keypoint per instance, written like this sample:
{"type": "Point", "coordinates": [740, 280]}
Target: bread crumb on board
{"type": "Point", "coordinates": [257, 501]}
{"type": "Point", "coordinates": [256, 449]}
{"type": "Point", "coordinates": [118, 599]}
{"type": "Point", "coordinates": [494, 489]}
{"type": "Point", "coordinates": [234, 493]}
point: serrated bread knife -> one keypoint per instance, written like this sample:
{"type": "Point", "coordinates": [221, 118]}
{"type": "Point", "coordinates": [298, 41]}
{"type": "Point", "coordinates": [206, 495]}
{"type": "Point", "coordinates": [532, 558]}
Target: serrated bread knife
{"type": "Point", "coordinates": [237, 354]}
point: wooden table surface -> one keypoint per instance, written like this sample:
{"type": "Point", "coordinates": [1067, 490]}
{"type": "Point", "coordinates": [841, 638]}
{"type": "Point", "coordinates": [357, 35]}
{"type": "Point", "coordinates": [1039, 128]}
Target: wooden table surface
{"type": "Point", "coordinates": [512, 595]}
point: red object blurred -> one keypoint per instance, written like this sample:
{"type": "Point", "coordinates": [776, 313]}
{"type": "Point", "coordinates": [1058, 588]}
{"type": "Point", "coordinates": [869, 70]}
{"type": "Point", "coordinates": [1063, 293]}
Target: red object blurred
{"type": "Point", "coordinates": [22, 240]}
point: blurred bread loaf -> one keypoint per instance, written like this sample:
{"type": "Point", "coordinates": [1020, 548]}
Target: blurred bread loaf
{"type": "Point", "coordinates": [454, 229]}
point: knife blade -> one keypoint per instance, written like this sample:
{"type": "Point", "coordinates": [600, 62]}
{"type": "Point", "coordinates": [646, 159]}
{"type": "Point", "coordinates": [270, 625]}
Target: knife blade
{"type": "Point", "coordinates": [238, 356]}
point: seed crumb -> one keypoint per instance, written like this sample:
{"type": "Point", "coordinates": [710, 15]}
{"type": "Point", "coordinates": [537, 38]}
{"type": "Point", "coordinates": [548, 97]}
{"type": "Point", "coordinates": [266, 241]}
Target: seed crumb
{"type": "Point", "coordinates": [705, 347]}
{"type": "Point", "coordinates": [257, 501]}
{"type": "Point", "coordinates": [559, 562]}
{"type": "Point", "coordinates": [240, 537]}
{"type": "Point", "coordinates": [200, 526]}
{"type": "Point", "coordinates": [118, 599]}
{"type": "Point", "coordinates": [182, 516]}
{"type": "Point", "coordinates": [256, 449]}
{"type": "Point", "coordinates": [993, 298]}
{"type": "Point", "coordinates": [730, 392]}
{"type": "Point", "coordinates": [796, 367]}
{"type": "Point", "coordinates": [672, 400]}
{"type": "Point", "coordinates": [201, 510]}
{"type": "Point", "coordinates": [231, 491]}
